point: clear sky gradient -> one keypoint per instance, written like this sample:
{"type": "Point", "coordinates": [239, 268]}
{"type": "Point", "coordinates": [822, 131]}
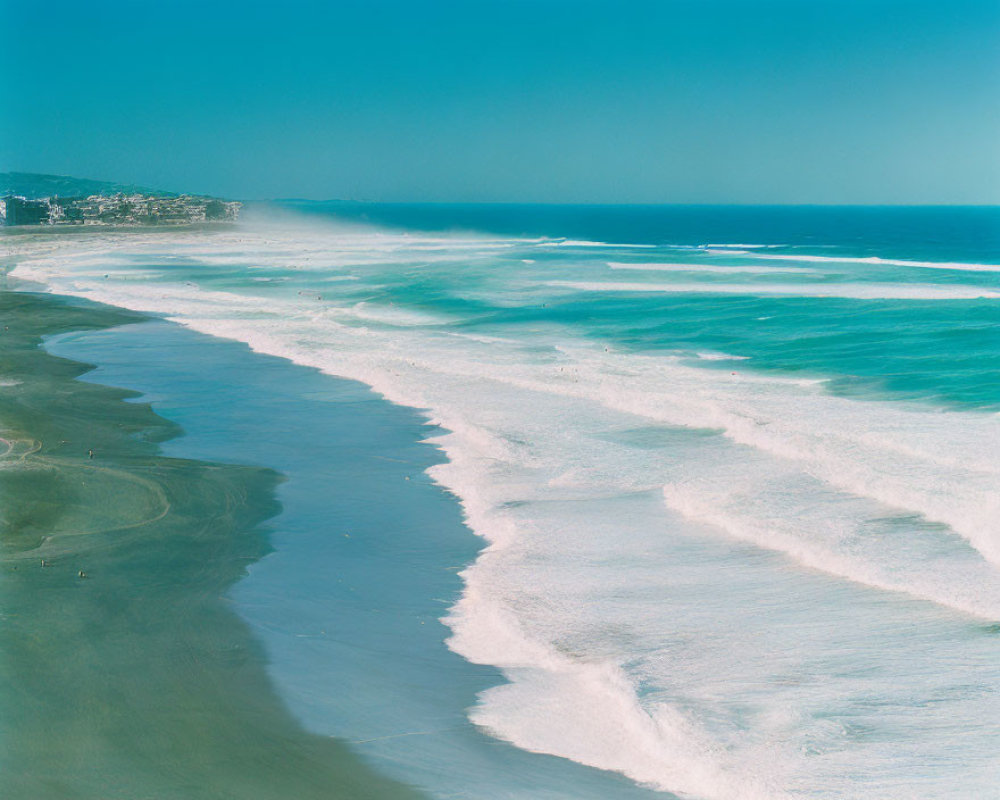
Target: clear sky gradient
{"type": "Point", "coordinates": [665, 101]}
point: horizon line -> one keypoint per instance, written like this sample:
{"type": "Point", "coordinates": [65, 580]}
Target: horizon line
{"type": "Point", "coordinates": [633, 204]}
{"type": "Point", "coordinates": [553, 203]}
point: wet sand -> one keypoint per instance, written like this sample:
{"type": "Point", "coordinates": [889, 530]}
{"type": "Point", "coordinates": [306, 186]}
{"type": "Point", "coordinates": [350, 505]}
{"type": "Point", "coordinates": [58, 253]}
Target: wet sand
{"type": "Point", "coordinates": [124, 672]}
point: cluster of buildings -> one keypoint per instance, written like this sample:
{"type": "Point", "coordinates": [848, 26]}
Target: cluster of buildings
{"type": "Point", "coordinates": [117, 209]}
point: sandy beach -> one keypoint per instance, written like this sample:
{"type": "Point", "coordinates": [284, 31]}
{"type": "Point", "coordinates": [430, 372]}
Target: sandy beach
{"type": "Point", "coordinates": [126, 672]}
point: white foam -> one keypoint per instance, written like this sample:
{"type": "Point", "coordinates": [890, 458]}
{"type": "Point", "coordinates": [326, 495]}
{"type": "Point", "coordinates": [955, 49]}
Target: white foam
{"type": "Point", "coordinates": [779, 507]}
{"type": "Point", "coordinates": [853, 291]}
{"type": "Point", "coordinates": [584, 243]}
{"type": "Point", "coordinates": [741, 246]}
{"type": "Point", "coordinates": [887, 262]}
{"type": "Point", "coordinates": [711, 355]}
{"type": "Point", "coordinates": [693, 267]}
{"type": "Point", "coordinates": [393, 316]}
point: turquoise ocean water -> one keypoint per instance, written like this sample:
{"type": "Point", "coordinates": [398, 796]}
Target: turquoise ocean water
{"type": "Point", "coordinates": [736, 474]}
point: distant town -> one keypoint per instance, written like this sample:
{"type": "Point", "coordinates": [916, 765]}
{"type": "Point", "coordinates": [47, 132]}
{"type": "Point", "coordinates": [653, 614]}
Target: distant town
{"type": "Point", "coordinates": [116, 209]}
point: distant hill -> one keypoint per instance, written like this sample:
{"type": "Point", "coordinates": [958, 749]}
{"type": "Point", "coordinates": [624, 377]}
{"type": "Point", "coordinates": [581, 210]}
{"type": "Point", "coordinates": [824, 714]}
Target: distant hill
{"type": "Point", "coordinates": [34, 185]}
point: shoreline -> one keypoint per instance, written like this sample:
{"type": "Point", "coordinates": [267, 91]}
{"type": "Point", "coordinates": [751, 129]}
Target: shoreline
{"type": "Point", "coordinates": [66, 230]}
{"type": "Point", "coordinates": [129, 674]}
{"type": "Point", "coordinates": [349, 604]}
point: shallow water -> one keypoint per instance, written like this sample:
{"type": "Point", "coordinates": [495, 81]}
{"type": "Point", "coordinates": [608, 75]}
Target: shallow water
{"type": "Point", "coordinates": [738, 472]}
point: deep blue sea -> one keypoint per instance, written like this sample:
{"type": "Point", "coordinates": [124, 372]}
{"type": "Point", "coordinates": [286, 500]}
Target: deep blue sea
{"type": "Point", "coordinates": [735, 474]}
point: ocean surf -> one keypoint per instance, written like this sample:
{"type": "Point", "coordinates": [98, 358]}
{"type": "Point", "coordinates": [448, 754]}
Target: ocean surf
{"type": "Point", "coordinates": [766, 576]}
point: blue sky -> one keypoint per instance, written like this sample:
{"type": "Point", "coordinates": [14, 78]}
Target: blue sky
{"type": "Point", "coordinates": [718, 101]}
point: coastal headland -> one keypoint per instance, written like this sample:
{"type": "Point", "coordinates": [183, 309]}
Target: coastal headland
{"type": "Point", "coordinates": [56, 201]}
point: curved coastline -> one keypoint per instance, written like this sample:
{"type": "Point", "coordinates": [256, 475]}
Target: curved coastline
{"type": "Point", "coordinates": [125, 671]}
{"type": "Point", "coordinates": [366, 557]}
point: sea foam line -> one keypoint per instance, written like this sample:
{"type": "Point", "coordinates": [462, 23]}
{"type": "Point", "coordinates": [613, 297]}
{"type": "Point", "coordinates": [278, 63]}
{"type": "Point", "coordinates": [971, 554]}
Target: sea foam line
{"type": "Point", "coordinates": [851, 291]}
{"type": "Point", "coordinates": [681, 266]}
{"type": "Point", "coordinates": [887, 262]}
